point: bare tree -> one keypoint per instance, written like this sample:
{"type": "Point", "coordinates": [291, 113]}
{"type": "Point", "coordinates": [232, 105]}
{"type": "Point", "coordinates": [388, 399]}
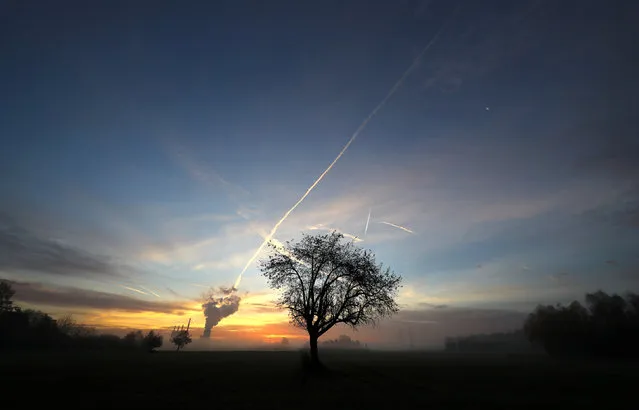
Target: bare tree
{"type": "Point", "coordinates": [67, 325]}
{"type": "Point", "coordinates": [324, 281]}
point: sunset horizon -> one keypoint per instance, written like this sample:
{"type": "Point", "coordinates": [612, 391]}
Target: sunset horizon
{"type": "Point", "coordinates": [488, 155]}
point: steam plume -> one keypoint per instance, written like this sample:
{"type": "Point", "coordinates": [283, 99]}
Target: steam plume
{"type": "Point", "coordinates": [220, 303]}
{"type": "Point", "coordinates": [363, 125]}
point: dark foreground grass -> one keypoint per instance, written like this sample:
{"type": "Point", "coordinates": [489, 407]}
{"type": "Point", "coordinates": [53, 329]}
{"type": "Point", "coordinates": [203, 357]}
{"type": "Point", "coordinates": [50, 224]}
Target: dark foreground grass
{"type": "Point", "coordinates": [277, 380]}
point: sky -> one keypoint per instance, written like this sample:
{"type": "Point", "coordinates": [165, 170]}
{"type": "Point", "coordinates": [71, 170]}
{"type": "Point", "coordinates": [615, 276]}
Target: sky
{"type": "Point", "coordinates": [148, 150]}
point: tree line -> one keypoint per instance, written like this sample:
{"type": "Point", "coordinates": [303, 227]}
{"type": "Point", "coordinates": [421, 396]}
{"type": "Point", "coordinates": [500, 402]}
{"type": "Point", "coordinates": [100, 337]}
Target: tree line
{"type": "Point", "coordinates": [503, 342]}
{"type": "Point", "coordinates": [607, 326]}
{"type": "Point", "coordinates": [34, 329]}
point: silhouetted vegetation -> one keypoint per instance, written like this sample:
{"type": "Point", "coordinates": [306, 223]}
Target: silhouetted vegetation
{"type": "Point", "coordinates": [506, 342]}
{"type": "Point", "coordinates": [181, 338]}
{"type": "Point", "coordinates": [33, 329]}
{"type": "Point", "coordinates": [343, 342]}
{"type": "Point", "coordinates": [607, 326]}
{"type": "Point", "coordinates": [6, 293]}
{"type": "Point", "coordinates": [325, 281]}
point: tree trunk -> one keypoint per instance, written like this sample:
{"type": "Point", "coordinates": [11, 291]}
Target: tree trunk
{"type": "Point", "coordinates": [314, 355]}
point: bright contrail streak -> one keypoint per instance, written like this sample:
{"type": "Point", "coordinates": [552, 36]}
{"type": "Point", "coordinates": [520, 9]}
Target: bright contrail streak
{"type": "Point", "coordinates": [397, 226]}
{"type": "Point", "coordinates": [279, 246]}
{"type": "Point", "coordinates": [367, 221]}
{"type": "Point", "coordinates": [153, 293]}
{"type": "Point", "coordinates": [363, 125]}
{"type": "Point", "coordinates": [326, 228]}
{"type": "Point", "coordinates": [135, 290]}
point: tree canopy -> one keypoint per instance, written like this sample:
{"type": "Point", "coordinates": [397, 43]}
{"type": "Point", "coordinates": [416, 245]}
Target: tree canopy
{"type": "Point", "coordinates": [324, 280]}
{"type": "Point", "coordinates": [608, 325]}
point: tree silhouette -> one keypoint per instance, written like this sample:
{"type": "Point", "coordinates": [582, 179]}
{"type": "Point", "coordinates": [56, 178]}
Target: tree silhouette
{"type": "Point", "coordinates": [607, 326]}
{"type": "Point", "coordinates": [181, 338]}
{"type": "Point", "coordinates": [152, 341]}
{"type": "Point", "coordinates": [325, 281]}
{"type": "Point", "coordinates": [134, 339]}
{"type": "Point", "coordinates": [6, 293]}
{"type": "Point", "coordinates": [342, 342]}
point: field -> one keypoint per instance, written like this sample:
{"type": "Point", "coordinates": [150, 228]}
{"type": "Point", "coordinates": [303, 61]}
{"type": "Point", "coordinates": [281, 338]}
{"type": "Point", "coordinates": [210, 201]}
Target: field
{"type": "Point", "coordinates": [276, 380]}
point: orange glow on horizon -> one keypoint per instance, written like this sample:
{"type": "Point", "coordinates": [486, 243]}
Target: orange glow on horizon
{"type": "Point", "coordinates": [257, 320]}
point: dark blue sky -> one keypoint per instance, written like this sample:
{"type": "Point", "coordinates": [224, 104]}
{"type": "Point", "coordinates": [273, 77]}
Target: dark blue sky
{"type": "Point", "coordinates": [167, 139]}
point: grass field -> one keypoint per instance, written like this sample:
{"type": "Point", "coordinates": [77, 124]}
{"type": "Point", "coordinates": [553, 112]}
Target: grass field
{"type": "Point", "coordinates": [276, 380]}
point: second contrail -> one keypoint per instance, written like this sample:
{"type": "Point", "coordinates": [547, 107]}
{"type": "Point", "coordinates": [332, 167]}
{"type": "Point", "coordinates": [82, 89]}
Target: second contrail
{"type": "Point", "coordinates": [367, 221]}
{"type": "Point", "coordinates": [359, 129]}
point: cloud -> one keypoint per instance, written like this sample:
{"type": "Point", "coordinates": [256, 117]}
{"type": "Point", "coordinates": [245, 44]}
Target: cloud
{"type": "Point", "coordinates": [204, 173]}
{"type": "Point", "coordinates": [23, 250]}
{"type": "Point", "coordinates": [616, 157]}
{"type": "Point", "coordinates": [624, 214]}
{"type": "Point", "coordinates": [263, 307]}
{"type": "Point", "coordinates": [560, 277]}
{"type": "Point", "coordinates": [174, 293]}
{"type": "Point", "coordinates": [231, 261]}
{"type": "Point", "coordinates": [432, 305]}
{"type": "Point", "coordinates": [612, 262]}
{"type": "Point", "coordinates": [69, 297]}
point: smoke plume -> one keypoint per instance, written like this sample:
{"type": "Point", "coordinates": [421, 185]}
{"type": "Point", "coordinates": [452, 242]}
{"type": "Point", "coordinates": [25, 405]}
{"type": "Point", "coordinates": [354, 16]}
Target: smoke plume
{"type": "Point", "coordinates": [219, 303]}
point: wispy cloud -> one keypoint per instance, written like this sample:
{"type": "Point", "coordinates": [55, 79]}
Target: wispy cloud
{"type": "Point", "coordinates": [21, 249]}
{"type": "Point", "coordinates": [203, 172]}
{"type": "Point", "coordinates": [559, 277]}
{"type": "Point", "coordinates": [432, 305]}
{"type": "Point", "coordinates": [69, 297]}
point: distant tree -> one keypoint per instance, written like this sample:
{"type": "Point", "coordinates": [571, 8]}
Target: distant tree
{"type": "Point", "coordinates": [325, 281]}
{"type": "Point", "coordinates": [152, 341]}
{"type": "Point", "coordinates": [343, 342]}
{"type": "Point", "coordinates": [133, 339]}
{"type": "Point", "coordinates": [66, 325]}
{"type": "Point", "coordinates": [285, 342]}
{"type": "Point", "coordinates": [181, 338]}
{"type": "Point", "coordinates": [6, 294]}
{"type": "Point", "coordinates": [607, 326]}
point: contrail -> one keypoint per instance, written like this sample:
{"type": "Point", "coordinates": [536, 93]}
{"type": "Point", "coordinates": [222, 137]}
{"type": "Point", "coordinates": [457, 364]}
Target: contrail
{"type": "Point", "coordinates": [326, 228]}
{"type": "Point", "coordinates": [363, 125]}
{"type": "Point", "coordinates": [153, 293]}
{"type": "Point", "coordinates": [367, 221]}
{"type": "Point", "coordinates": [279, 246]}
{"type": "Point", "coordinates": [397, 226]}
{"type": "Point", "coordinates": [135, 290]}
